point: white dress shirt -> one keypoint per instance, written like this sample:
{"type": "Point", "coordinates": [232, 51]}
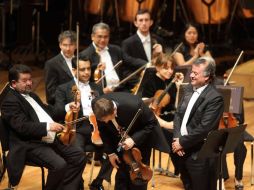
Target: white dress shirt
{"type": "Point", "coordinates": [111, 76]}
{"type": "Point", "coordinates": [191, 103]}
{"type": "Point", "coordinates": [146, 40]}
{"type": "Point", "coordinates": [68, 61]}
{"type": "Point", "coordinates": [43, 117]}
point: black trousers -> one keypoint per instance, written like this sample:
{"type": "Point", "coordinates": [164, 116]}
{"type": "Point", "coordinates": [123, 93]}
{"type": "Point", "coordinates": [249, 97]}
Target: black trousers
{"type": "Point", "coordinates": [106, 167]}
{"type": "Point", "coordinates": [65, 164]}
{"type": "Point", "coordinates": [198, 174]}
{"type": "Point", "coordinates": [239, 158]}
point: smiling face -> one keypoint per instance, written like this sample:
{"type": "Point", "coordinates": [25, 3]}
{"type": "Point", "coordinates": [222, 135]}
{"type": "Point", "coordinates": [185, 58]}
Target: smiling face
{"type": "Point", "coordinates": [100, 38]}
{"type": "Point", "coordinates": [197, 76]}
{"type": "Point", "coordinates": [165, 71]}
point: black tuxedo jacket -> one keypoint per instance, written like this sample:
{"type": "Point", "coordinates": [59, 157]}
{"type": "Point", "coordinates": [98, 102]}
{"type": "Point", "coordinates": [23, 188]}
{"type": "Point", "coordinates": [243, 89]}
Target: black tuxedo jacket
{"type": "Point", "coordinates": [134, 47]}
{"type": "Point", "coordinates": [56, 72]}
{"type": "Point", "coordinates": [25, 130]}
{"type": "Point", "coordinates": [116, 55]}
{"type": "Point", "coordinates": [64, 96]}
{"type": "Point", "coordinates": [204, 117]}
{"type": "Point", "coordinates": [145, 132]}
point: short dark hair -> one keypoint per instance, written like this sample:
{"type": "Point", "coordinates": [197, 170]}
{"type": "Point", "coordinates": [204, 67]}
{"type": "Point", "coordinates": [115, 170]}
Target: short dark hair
{"type": "Point", "coordinates": [74, 61]}
{"type": "Point", "coordinates": [141, 12]}
{"type": "Point", "coordinates": [67, 34]}
{"type": "Point", "coordinates": [210, 66]}
{"type": "Point", "coordinates": [16, 70]}
{"type": "Point", "coordinates": [102, 107]}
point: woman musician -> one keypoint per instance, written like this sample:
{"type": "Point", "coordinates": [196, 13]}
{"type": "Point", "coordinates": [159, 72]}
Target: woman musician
{"type": "Point", "coordinates": [192, 47]}
{"type": "Point", "coordinates": [161, 78]}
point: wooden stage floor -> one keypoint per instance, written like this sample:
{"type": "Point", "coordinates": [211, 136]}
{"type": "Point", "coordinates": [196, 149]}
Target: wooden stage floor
{"type": "Point", "coordinates": [31, 178]}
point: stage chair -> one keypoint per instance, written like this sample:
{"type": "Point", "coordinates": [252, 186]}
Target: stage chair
{"type": "Point", "coordinates": [4, 138]}
{"type": "Point", "coordinates": [92, 148]}
{"type": "Point", "coordinates": [249, 138]}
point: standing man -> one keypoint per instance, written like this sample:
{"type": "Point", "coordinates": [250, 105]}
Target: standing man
{"type": "Point", "coordinates": [198, 113]}
{"type": "Point", "coordinates": [105, 56]}
{"type": "Point", "coordinates": [143, 44]}
{"type": "Point", "coordinates": [114, 113]}
{"type": "Point", "coordinates": [32, 136]}
{"type": "Point", "coordinates": [65, 101]}
{"type": "Point", "coordinates": [58, 69]}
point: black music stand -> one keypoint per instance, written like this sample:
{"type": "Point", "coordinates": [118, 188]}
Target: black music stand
{"type": "Point", "coordinates": [219, 143]}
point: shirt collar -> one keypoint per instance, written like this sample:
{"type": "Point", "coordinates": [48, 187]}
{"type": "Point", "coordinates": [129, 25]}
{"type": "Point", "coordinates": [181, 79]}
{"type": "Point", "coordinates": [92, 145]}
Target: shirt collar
{"type": "Point", "coordinates": [144, 38]}
{"type": "Point", "coordinates": [66, 59]}
{"type": "Point", "coordinates": [81, 84]}
{"type": "Point", "coordinates": [105, 49]}
{"type": "Point", "coordinates": [200, 89]}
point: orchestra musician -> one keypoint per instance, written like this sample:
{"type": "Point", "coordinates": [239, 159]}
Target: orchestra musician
{"type": "Point", "coordinates": [65, 101]}
{"type": "Point", "coordinates": [192, 47]}
{"type": "Point", "coordinates": [58, 70]}
{"type": "Point", "coordinates": [104, 56]}
{"type": "Point", "coordinates": [198, 113]}
{"type": "Point", "coordinates": [154, 87]}
{"type": "Point", "coordinates": [114, 112]}
{"type": "Point", "coordinates": [32, 136]}
{"type": "Point", "coordinates": [144, 44]}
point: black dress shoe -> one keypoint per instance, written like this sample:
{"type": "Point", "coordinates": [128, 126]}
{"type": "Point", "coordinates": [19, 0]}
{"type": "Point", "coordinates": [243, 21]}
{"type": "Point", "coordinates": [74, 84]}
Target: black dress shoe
{"type": "Point", "coordinates": [239, 187]}
{"type": "Point", "coordinates": [96, 187]}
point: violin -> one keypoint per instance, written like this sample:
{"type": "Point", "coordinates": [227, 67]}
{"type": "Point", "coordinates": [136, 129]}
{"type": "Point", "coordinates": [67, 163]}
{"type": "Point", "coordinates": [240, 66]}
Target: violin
{"type": "Point", "coordinates": [228, 120]}
{"type": "Point", "coordinates": [98, 72]}
{"type": "Point", "coordinates": [140, 173]}
{"type": "Point", "coordinates": [161, 97]}
{"type": "Point", "coordinates": [68, 135]}
{"type": "Point", "coordinates": [95, 138]}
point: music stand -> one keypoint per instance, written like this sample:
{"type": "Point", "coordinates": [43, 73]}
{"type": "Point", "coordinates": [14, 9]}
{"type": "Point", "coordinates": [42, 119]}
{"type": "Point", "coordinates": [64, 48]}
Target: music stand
{"type": "Point", "coordinates": [219, 143]}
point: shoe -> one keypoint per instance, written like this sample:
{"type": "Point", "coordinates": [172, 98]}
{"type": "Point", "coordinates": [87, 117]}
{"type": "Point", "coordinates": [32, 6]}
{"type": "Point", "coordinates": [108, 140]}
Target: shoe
{"type": "Point", "coordinates": [239, 187]}
{"type": "Point", "coordinates": [96, 187]}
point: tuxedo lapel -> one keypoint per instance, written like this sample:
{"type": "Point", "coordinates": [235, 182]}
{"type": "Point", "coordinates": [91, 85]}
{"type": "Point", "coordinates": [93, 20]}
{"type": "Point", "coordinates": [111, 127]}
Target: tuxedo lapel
{"type": "Point", "coordinates": [140, 47]}
{"type": "Point", "coordinates": [62, 64]}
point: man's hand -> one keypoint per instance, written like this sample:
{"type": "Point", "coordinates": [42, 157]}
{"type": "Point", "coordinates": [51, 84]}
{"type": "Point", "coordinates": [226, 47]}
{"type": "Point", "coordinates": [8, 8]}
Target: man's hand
{"type": "Point", "coordinates": [176, 145]}
{"type": "Point", "coordinates": [101, 66]}
{"type": "Point", "coordinates": [56, 127]}
{"type": "Point", "coordinates": [74, 107]}
{"type": "Point", "coordinates": [107, 90]}
{"type": "Point", "coordinates": [113, 158]}
{"type": "Point", "coordinates": [128, 143]}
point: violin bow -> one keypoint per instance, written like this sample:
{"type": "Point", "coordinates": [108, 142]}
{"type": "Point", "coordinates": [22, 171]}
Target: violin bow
{"type": "Point", "coordinates": [115, 66]}
{"type": "Point", "coordinates": [231, 72]}
{"type": "Point", "coordinates": [130, 125]}
{"type": "Point", "coordinates": [77, 31]}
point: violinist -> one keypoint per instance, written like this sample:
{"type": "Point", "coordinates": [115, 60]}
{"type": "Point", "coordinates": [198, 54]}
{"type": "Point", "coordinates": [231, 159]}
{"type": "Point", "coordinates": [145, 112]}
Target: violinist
{"type": "Point", "coordinates": [198, 113]}
{"type": "Point", "coordinates": [104, 56]}
{"type": "Point", "coordinates": [192, 47]}
{"type": "Point", "coordinates": [32, 135]}
{"type": "Point", "coordinates": [65, 101]}
{"type": "Point", "coordinates": [114, 112]}
{"type": "Point", "coordinates": [157, 82]}
{"type": "Point", "coordinates": [143, 44]}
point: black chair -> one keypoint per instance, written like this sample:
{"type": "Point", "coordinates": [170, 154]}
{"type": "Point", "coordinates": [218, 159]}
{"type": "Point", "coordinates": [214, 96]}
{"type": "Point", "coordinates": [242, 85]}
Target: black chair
{"type": "Point", "coordinates": [4, 138]}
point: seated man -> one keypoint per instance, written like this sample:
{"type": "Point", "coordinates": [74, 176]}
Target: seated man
{"type": "Point", "coordinates": [33, 136]}
{"type": "Point", "coordinates": [65, 102]}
